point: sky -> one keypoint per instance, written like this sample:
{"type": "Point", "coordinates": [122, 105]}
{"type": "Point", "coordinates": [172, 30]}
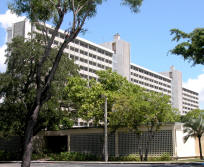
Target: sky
{"type": "Point", "coordinates": [148, 33]}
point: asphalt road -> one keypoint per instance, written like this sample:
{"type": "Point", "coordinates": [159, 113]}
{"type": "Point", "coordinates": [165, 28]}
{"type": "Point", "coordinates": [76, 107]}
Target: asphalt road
{"type": "Point", "coordinates": [67, 164]}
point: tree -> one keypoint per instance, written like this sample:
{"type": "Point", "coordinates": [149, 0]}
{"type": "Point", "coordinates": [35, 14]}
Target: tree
{"type": "Point", "coordinates": [87, 95]}
{"type": "Point", "coordinates": [193, 114]}
{"type": "Point", "coordinates": [157, 111]}
{"type": "Point", "coordinates": [141, 108]}
{"type": "Point", "coordinates": [192, 46]}
{"type": "Point", "coordinates": [18, 93]}
{"type": "Point", "coordinates": [194, 126]}
{"type": "Point", "coordinates": [53, 10]}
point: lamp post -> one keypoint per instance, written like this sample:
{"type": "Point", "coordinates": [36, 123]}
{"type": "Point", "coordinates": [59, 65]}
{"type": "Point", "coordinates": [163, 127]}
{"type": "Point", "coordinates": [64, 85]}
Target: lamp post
{"type": "Point", "coordinates": [105, 132]}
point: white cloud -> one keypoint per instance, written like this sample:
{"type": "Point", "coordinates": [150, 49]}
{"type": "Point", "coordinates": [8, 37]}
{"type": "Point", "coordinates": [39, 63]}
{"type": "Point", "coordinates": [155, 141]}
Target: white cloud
{"type": "Point", "coordinates": [6, 21]}
{"type": "Point", "coordinates": [8, 18]}
{"type": "Point", "coordinates": [2, 58]}
{"type": "Point", "coordinates": [197, 85]}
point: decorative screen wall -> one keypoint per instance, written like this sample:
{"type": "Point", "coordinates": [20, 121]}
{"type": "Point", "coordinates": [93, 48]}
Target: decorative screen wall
{"type": "Point", "coordinates": [91, 143]}
{"type": "Point", "coordinates": [129, 143]}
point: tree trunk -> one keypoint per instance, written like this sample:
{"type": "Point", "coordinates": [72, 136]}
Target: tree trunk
{"type": "Point", "coordinates": [200, 148]}
{"type": "Point", "coordinates": [141, 154]}
{"type": "Point", "coordinates": [150, 138]}
{"type": "Point", "coordinates": [146, 151]}
{"type": "Point", "coordinates": [27, 153]}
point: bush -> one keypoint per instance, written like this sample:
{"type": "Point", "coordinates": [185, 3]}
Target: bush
{"type": "Point", "coordinates": [130, 157]}
{"type": "Point", "coordinates": [9, 156]}
{"type": "Point", "coordinates": [37, 156]}
{"type": "Point", "coordinates": [73, 156]}
{"type": "Point", "coordinates": [165, 157]}
{"type": "Point", "coordinates": [134, 157]}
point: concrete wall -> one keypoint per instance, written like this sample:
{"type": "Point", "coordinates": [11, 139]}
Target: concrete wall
{"type": "Point", "coordinates": [123, 142]}
{"type": "Point", "coordinates": [197, 146]}
{"type": "Point", "coordinates": [188, 149]}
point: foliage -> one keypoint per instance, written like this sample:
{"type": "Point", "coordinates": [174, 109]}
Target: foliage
{"type": "Point", "coordinates": [135, 157]}
{"type": "Point", "coordinates": [87, 96]}
{"type": "Point", "coordinates": [165, 157]}
{"type": "Point", "coordinates": [128, 105]}
{"type": "Point", "coordinates": [73, 156]}
{"type": "Point", "coordinates": [133, 4]}
{"type": "Point", "coordinates": [9, 156]}
{"type": "Point", "coordinates": [137, 108]}
{"type": "Point", "coordinates": [44, 11]}
{"type": "Point", "coordinates": [193, 114]}
{"type": "Point", "coordinates": [194, 127]}
{"type": "Point", "coordinates": [192, 46]}
{"type": "Point", "coordinates": [18, 89]}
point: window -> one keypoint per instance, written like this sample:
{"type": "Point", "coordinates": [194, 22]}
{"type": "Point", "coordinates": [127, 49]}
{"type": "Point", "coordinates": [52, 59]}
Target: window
{"type": "Point", "coordinates": [114, 47]}
{"type": "Point", "coordinates": [62, 35]}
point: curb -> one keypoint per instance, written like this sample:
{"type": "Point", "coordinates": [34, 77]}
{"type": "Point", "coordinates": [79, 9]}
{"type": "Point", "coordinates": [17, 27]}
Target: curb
{"type": "Point", "coordinates": [111, 162]}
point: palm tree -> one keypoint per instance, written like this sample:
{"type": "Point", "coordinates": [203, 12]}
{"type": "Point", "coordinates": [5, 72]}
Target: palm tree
{"type": "Point", "coordinates": [195, 128]}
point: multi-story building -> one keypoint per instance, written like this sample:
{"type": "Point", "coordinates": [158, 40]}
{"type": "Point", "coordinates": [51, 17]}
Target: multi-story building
{"type": "Point", "coordinates": [183, 99]}
{"type": "Point", "coordinates": [115, 55]}
{"type": "Point", "coordinates": [90, 57]}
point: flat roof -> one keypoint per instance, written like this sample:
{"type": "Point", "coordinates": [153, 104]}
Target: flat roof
{"type": "Point", "coordinates": [84, 40]}
{"type": "Point", "coordinates": [145, 69]}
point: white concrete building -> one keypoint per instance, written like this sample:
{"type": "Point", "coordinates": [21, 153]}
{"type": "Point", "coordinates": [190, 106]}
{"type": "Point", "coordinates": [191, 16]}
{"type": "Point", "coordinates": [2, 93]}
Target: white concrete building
{"type": "Point", "coordinates": [182, 98]}
{"type": "Point", "coordinates": [121, 56]}
{"type": "Point", "coordinates": [150, 80]}
{"type": "Point", "coordinates": [115, 55]}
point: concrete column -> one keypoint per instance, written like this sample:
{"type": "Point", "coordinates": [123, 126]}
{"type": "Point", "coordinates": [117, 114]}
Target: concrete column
{"type": "Point", "coordinates": [68, 143]}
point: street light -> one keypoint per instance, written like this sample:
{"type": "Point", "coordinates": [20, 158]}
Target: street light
{"type": "Point", "coordinates": [106, 132]}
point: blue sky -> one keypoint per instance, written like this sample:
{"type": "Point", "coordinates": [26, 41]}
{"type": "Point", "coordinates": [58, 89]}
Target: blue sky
{"type": "Point", "coordinates": [148, 32]}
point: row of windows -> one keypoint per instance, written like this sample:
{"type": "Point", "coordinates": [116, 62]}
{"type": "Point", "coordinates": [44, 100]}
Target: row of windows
{"type": "Point", "coordinates": [83, 124]}
{"type": "Point", "coordinates": [150, 74]}
{"type": "Point", "coordinates": [187, 108]}
{"type": "Point", "coordinates": [149, 85]}
{"type": "Point", "coordinates": [87, 77]}
{"type": "Point", "coordinates": [192, 97]}
{"type": "Point", "coordinates": [91, 47]}
{"type": "Point", "coordinates": [88, 69]}
{"type": "Point", "coordinates": [90, 55]}
{"type": "Point", "coordinates": [75, 58]}
{"type": "Point", "coordinates": [192, 101]}
{"type": "Point", "coordinates": [190, 104]}
{"type": "Point", "coordinates": [83, 44]}
{"type": "Point", "coordinates": [151, 80]}
{"type": "Point", "coordinates": [190, 91]}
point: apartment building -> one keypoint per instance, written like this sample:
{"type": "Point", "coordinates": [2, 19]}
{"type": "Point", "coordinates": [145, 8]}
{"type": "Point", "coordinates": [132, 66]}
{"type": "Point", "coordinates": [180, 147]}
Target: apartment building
{"type": "Point", "coordinates": [90, 57]}
{"type": "Point", "coordinates": [115, 55]}
{"type": "Point", "coordinates": [182, 98]}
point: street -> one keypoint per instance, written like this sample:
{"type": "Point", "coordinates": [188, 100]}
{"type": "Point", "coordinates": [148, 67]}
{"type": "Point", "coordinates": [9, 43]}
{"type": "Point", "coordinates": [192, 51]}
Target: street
{"type": "Point", "coordinates": [75, 164]}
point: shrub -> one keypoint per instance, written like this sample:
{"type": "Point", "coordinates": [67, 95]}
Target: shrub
{"type": "Point", "coordinates": [130, 157]}
{"type": "Point", "coordinates": [165, 157]}
{"type": "Point", "coordinates": [72, 156]}
{"type": "Point", "coordinates": [9, 156]}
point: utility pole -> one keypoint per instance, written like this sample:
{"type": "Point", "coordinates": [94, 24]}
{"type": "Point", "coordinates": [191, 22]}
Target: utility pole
{"type": "Point", "coordinates": [106, 132]}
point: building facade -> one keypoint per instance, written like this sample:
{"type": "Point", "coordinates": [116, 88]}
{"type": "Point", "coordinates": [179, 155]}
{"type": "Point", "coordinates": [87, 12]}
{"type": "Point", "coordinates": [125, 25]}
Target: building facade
{"type": "Point", "coordinates": [115, 55]}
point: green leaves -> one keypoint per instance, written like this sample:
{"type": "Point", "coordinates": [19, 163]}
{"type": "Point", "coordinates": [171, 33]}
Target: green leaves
{"type": "Point", "coordinates": [194, 124]}
{"type": "Point", "coordinates": [128, 104]}
{"type": "Point", "coordinates": [192, 47]}
{"type": "Point", "coordinates": [18, 88]}
{"type": "Point", "coordinates": [194, 127]}
{"type": "Point", "coordinates": [133, 4]}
